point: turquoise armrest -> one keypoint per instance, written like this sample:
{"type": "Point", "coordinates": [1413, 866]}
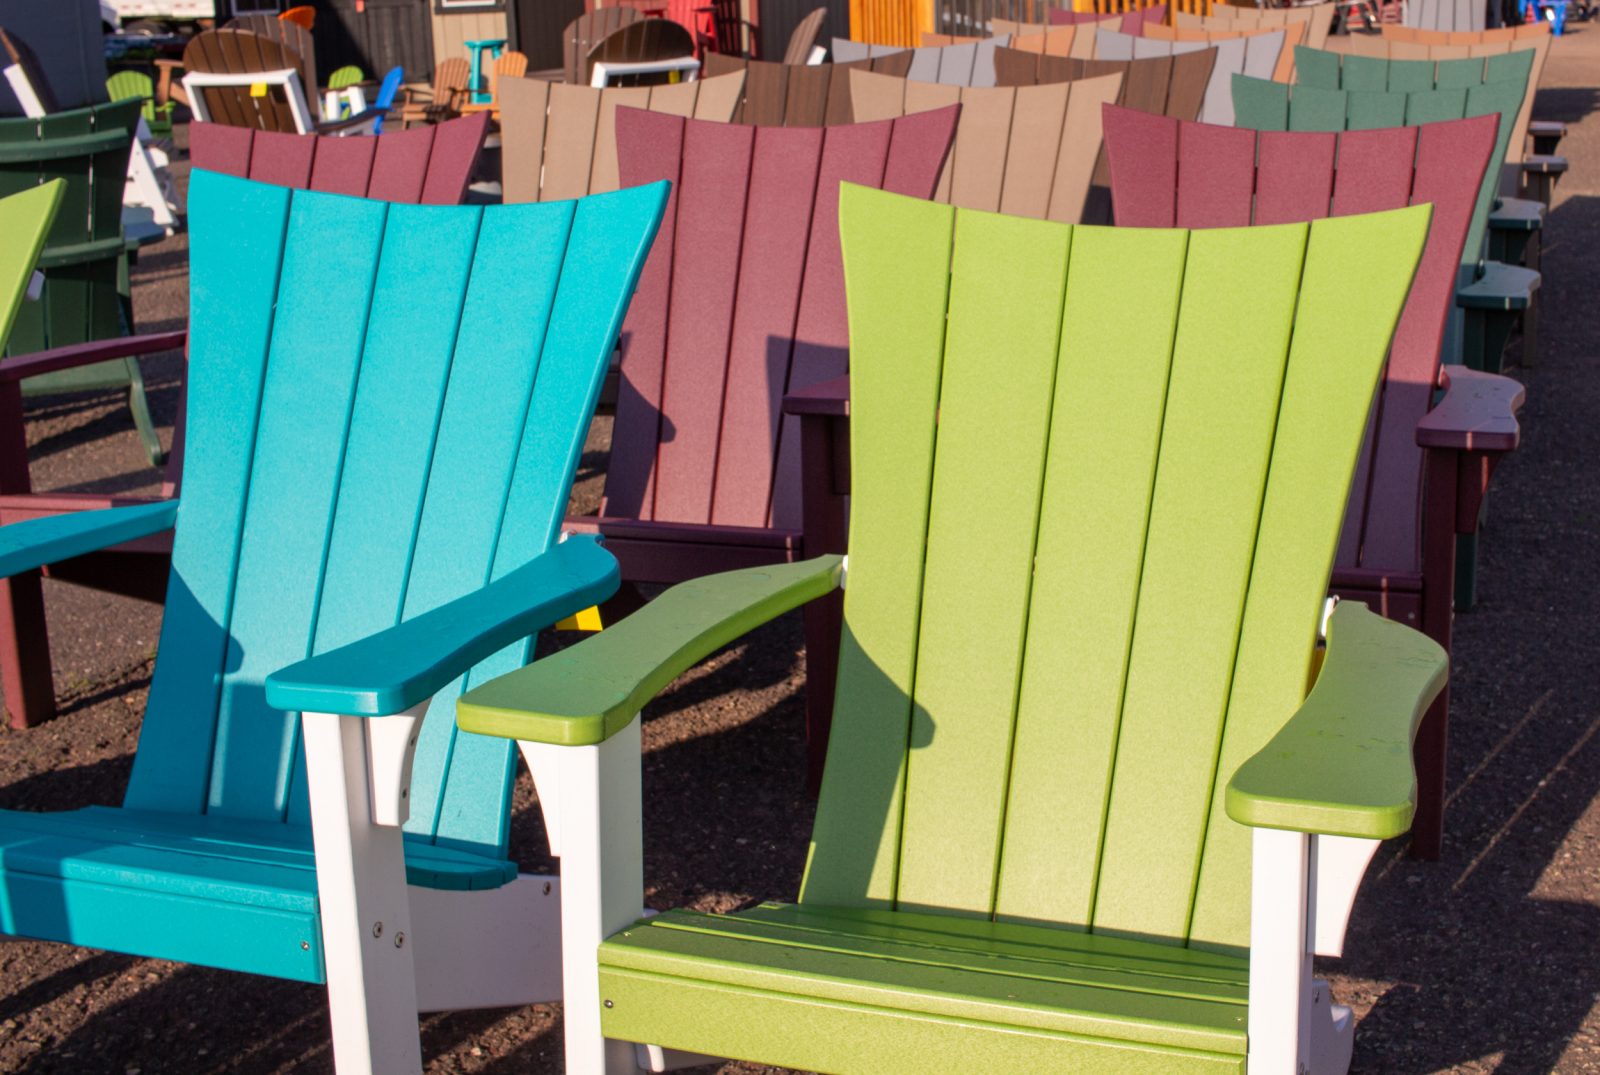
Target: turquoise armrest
{"type": "Point", "coordinates": [393, 670]}
{"type": "Point", "coordinates": [1342, 765]}
{"type": "Point", "coordinates": [36, 542]}
{"type": "Point", "coordinates": [1500, 287]}
{"type": "Point", "coordinates": [587, 693]}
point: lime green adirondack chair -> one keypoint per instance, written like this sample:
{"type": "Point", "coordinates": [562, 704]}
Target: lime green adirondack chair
{"type": "Point", "coordinates": [345, 77]}
{"type": "Point", "coordinates": [24, 220]}
{"type": "Point", "coordinates": [129, 83]}
{"type": "Point", "coordinates": [1060, 717]}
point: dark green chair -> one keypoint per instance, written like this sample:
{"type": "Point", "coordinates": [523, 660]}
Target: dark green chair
{"type": "Point", "coordinates": [85, 259]}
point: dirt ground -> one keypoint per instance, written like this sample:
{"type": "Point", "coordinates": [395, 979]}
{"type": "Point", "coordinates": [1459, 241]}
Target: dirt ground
{"type": "Point", "coordinates": [1488, 960]}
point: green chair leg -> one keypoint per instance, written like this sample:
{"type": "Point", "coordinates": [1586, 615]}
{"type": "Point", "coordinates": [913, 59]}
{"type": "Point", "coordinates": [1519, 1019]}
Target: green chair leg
{"type": "Point", "coordinates": [140, 406]}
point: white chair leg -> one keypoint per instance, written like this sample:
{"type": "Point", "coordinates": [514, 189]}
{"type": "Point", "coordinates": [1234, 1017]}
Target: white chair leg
{"type": "Point", "coordinates": [602, 886]}
{"type": "Point", "coordinates": [366, 916]}
{"type": "Point", "coordinates": [1280, 954]}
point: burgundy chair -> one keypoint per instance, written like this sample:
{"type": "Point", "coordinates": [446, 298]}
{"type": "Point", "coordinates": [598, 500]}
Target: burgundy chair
{"type": "Point", "coordinates": [1424, 468]}
{"type": "Point", "coordinates": [741, 300]}
{"type": "Point", "coordinates": [424, 165]}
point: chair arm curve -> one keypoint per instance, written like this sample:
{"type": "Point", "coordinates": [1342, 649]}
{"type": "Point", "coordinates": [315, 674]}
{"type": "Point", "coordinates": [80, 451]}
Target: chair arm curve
{"type": "Point", "coordinates": [829, 398]}
{"type": "Point", "coordinates": [1342, 764]}
{"type": "Point", "coordinates": [586, 693]}
{"type": "Point", "coordinates": [35, 542]}
{"type": "Point", "coordinates": [81, 354]}
{"type": "Point", "coordinates": [405, 665]}
{"type": "Point", "coordinates": [1477, 414]}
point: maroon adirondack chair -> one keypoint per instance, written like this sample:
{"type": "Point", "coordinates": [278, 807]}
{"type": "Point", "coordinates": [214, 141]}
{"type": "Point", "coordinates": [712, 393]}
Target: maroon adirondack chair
{"type": "Point", "coordinates": [424, 165]}
{"type": "Point", "coordinates": [742, 299]}
{"type": "Point", "coordinates": [1424, 468]}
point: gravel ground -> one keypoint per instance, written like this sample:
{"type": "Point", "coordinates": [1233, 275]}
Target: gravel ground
{"type": "Point", "coordinates": [1483, 961]}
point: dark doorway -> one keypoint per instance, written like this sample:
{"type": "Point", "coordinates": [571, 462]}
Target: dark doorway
{"type": "Point", "coordinates": [385, 34]}
{"type": "Point", "coordinates": [535, 29]}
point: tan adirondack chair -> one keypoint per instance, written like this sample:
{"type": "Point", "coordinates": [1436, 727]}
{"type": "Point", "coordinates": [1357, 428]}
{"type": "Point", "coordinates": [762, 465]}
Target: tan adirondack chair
{"type": "Point", "coordinates": [508, 65]}
{"type": "Point", "coordinates": [1283, 71]}
{"type": "Point", "coordinates": [559, 140]}
{"type": "Point", "coordinates": [1318, 20]}
{"type": "Point", "coordinates": [445, 97]}
{"type": "Point", "coordinates": [1028, 151]}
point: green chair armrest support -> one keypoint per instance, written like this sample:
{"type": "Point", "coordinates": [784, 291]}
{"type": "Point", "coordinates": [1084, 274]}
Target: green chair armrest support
{"type": "Point", "coordinates": [1501, 287]}
{"type": "Point", "coordinates": [35, 542]}
{"type": "Point", "coordinates": [587, 693]}
{"type": "Point", "coordinates": [395, 669]}
{"type": "Point", "coordinates": [1477, 414]}
{"type": "Point", "coordinates": [1342, 765]}
{"type": "Point", "coordinates": [60, 358]}
{"type": "Point", "coordinates": [1517, 214]}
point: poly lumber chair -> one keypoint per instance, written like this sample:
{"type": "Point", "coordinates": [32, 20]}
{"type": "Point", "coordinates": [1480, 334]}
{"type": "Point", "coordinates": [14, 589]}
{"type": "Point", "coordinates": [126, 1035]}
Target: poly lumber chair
{"type": "Point", "coordinates": [1059, 718]}
{"type": "Point", "coordinates": [376, 485]}
{"type": "Point", "coordinates": [1424, 465]}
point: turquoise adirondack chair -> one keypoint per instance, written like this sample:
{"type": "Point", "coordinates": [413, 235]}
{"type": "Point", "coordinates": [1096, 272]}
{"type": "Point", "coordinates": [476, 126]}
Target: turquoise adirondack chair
{"type": "Point", "coordinates": [1490, 295]}
{"type": "Point", "coordinates": [375, 483]}
{"type": "Point", "coordinates": [1058, 721]}
{"type": "Point", "coordinates": [24, 221]}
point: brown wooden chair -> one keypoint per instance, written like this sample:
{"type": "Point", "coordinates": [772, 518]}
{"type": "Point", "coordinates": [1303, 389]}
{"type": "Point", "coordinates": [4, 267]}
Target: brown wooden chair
{"type": "Point", "coordinates": [559, 140]}
{"type": "Point", "coordinates": [799, 95]}
{"type": "Point", "coordinates": [585, 32]}
{"type": "Point", "coordinates": [294, 35]}
{"type": "Point", "coordinates": [646, 41]}
{"type": "Point", "coordinates": [804, 37]}
{"type": "Point", "coordinates": [443, 100]}
{"type": "Point", "coordinates": [241, 52]}
{"type": "Point", "coordinates": [428, 166]}
{"type": "Point", "coordinates": [1022, 150]}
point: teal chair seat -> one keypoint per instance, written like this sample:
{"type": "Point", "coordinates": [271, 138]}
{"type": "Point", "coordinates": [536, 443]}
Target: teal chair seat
{"type": "Point", "coordinates": [225, 892]}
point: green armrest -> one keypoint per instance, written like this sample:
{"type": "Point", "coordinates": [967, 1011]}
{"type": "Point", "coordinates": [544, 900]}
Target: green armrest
{"type": "Point", "coordinates": [36, 542]}
{"type": "Point", "coordinates": [393, 670]}
{"type": "Point", "coordinates": [587, 693]}
{"type": "Point", "coordinates": [1517, 214]}
{"type": "Point", "coordinates": [1342, 765]}
{"type": "Point", "coordinates": [1500, 287]}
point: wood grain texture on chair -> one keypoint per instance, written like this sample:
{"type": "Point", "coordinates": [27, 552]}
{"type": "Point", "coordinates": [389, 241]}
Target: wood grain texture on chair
{"type": "Point", "coordinates": [241, 52]}
{"type": "Point", "coordinates": [587, 31]}
{"type": "Point", "coordinates": [800, 95]}
{"type": "Point", "coordinates": [804, 37]}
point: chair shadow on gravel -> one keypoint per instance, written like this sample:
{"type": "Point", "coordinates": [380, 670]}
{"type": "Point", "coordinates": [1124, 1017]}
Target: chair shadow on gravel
{"type": "Point", "coordinates": [1565, 104]}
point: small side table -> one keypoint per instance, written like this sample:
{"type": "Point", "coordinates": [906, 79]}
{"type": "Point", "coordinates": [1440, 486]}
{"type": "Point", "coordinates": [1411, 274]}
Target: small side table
{"type": "Point", "coordinates": [495, 46]}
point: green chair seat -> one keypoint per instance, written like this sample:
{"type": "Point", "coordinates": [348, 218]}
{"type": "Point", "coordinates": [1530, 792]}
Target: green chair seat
{"type": "Point", "coordinates": [915, 992]}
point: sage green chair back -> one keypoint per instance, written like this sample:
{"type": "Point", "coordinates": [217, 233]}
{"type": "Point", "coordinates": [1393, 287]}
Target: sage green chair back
{"type": "Point", "coordinates": [1273, 106]}
{"type": "Point", "coordinates": [1040, 702]}
{"type": "Point", "coordinates": [24, 220]}
{"type": "Point", "coordinates": [1337, 71]}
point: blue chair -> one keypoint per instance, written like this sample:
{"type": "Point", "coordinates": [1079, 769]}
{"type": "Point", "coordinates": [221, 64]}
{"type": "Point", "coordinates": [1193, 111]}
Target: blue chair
{"type": "Point", "coordinates": [372, 497]}
{"type": "Point", "coordinates": [385, 99]}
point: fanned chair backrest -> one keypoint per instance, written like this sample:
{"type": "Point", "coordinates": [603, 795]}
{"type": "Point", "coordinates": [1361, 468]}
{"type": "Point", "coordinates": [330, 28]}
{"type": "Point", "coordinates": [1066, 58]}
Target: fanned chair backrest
{"type": "Point", "coordinates": [129, 83]}
{"type": "Point", "coordinates": [428, 165]}
{"type": "Point", "coordinates": [1256, 55]}
{"type": "Point", "coordinates": [24, 220]}
{"type": "Point", "coordinates": [1168, 174]}
{"type": "Point", "coordinates": [804, 37]}
{"type": "Point", "coordinates": [799, 95]}
{"type": "Point", "coordinates": [356, 463]}
{"type": "Point", "coordinates": [953, 65]}
{"type": "Point", "coordinates": [1448, 57]}
{"type": "Point", "coordinates": [1317, 19]}
{"type": "Point", "coordinates": [1038, 711]}
{"type": "Point", "coordinates": [742, 300]}
{"type": "Point", "coordinates": [1028, 151]}
{"type": "Point", "coordinates": [88, 148]}
{"type": "Point", "coordinates": [560, 140]}
{"type": "Point", "coordinates": [450, 78]}
{"type": "Point", "coordinates": [292, 35]}
{"type": "Point", "coordinates": [585, 32]}
{"type": "Point", "coordinates": [1162, 85]}
{"type": "Point", "coordinates": [1470, 15]}
{"type": "Point", "coordinates": [1283, 71]}
{"type": "Point", "coordinates": [1052, 40]}
{"type": "Point", "coordinates": [650, 39]}
{"type": "Point", "coordinates": [1519, 32]}
{"type": "Point", "coordinates": [233, 52]}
